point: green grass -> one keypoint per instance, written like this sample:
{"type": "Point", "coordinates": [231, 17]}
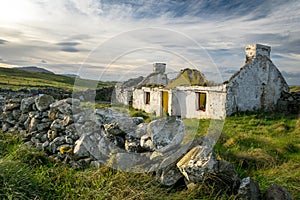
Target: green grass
{"type": "Point", "coordinates": [294, 88]}
{"type": "Point", "coordinates": [263, 146]}
{"type": "Point", "coordinates": [16, 79]}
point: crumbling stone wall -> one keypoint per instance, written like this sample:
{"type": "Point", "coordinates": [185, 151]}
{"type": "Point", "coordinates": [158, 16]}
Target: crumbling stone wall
{"type": "Point", "coordinates": [289, 103]}
{"type": "Point", "coordinates": [78, 137]}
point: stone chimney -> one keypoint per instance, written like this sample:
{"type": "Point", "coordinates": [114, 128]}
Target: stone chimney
{"type": "Point", "coordinates": [252, 50]}
{"type": "Point", "coordinates": [159, 68]}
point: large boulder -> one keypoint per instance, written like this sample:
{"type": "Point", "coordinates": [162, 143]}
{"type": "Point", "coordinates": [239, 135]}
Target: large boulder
{"type": "Point", "coordinates": [26, 104]}
{"type": "Point", "coordinates": [197, 162]}
{"type": "Point", "coordinates": [277, 192]}
{"type": "Point", "coordinates": [64, 107]}
{"type": "Point", "coordinates": [43, 102]}
{"type": "Point", "coordinates": [106, 116]}
{"type": "Point", "coordinates": [170, 175]}
{"type": "Point", "coordinates": [166, 133]}
{"type": "Point", "coordinates": [95, 144]}
{"type": "Point", "coordinates": [248, 190]}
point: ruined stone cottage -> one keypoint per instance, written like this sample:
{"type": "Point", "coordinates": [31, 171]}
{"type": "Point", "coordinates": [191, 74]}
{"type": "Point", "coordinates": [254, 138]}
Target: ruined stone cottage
{"type": "Point", "coordinates": [256, 86]}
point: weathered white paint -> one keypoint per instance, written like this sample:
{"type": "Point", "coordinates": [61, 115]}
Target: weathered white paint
{"type": "Point", "coordinates": [185, 102]}
{"type": "Point", "coordinates": [123, 95]}
{"type": "Point", "coordinates": [155, 104]}
{"type": "Point", "coordinates": [257, 86]}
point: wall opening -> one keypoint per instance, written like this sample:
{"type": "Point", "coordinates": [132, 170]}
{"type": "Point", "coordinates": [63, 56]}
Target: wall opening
{"type": "Point", "coordinates": [147, 97]}
{"type": "Point", "coordinates": [201, 101]}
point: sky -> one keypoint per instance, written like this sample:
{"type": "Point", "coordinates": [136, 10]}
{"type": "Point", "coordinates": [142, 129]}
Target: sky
{"type": "Point", "coordinates": [110, 40]}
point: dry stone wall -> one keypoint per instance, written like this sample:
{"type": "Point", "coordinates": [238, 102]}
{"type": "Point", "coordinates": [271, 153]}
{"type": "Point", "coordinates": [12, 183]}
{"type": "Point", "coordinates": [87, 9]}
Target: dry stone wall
{"type": "Point", "coordinates": [289, 103]}
{"type": "Point", "coordinates": [83, 137]}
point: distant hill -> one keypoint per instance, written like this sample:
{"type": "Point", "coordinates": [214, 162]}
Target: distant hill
{"type": "Point", "coordinates": [71, 75]}
{"type": "Point", "coordinates": [15, 78]}
{"type": "Point", "coordinates": [34, 69]}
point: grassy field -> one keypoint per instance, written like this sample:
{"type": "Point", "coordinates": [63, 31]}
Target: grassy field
{"type": "Point", "coordinates": [263, 146]}
{"type": "Point", "coordinates": [294, 88]}
{"type": "Point", "coordinates": [16, 79]}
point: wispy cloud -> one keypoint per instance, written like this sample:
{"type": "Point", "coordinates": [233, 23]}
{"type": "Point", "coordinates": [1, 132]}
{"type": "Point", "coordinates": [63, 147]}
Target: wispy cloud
{"type": "Point", "coordinates": [3, 41]}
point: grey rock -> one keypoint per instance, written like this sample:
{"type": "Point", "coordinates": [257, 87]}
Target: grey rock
{"type": "Point", "coordinates": [16, 114]}
{"type": "Point", "coordinates": [33, 124]}
{"type": "Point", "coordinates": [68, 120]}
{"type": "Point", "coordinates": [27, 123]}
{"type": "Point", "coordinates": [146, 143]}
{"type": "Point", "coordinates": [170, 176]}
{"type": "Point", "coordinates": [46, 119]}
{"type": "Point", "coordinates": [61, 106]}
{"type": "Point", "coordinates": [140, 130]}
{"type": "Point", "coordinates": [248, 190]}
{"type": "Point", "coordinates": [5, 127]}
{"type": "Point", "coordinates": [39, 146]}
{"type": "Point", "coordinates": [42, 102]}
{"type": "Point", "coordinates": [35, 140]}
{"type": "Point", "coordinates": [133, 145]}
{"type": "Point", "coordinates": [56, 143]}
{"type": "Point", "coordinates": [57, 125]}
{"type": "Point", "coordinates": [98, 146]}
{"type": "Point", "coordinates": [88, 127]}
{"type": "Point", "coordinates": [51, 134]}
{"type": "Point", "coordinates": [80, 149]}
{"type": "Point", "coordinates": [15, 100]}
{"type": "Point", "coordinates": [277, 192]}
{"type": "Point", "coordinates": [127, 161]}
{"type": "Point", "coordinates": [197, 162]}
{"type": "Point", "coordinates": [113, 129]}
{"type": "Point", "coordinates": [86, 115]}
{"type": "Point", "coordinates": [69, 140]}
{"type": "Point", "coordinates": [166, 133]}
{"type": "Point", "coordinates": [227, 177]}
{"type": "Point", "coordinates": [106, 116]}
{"type": "Point", "coordinates": [138, 120]}
{"type": "Point", "coordinates": [34, 114]}
{"type": "Point", "coordinates": [23, 118]}
{"type": "Point", "coordinates": [43, 126]}
{"type": "Point", "coordinates": [59, 140]}
{"type": "Point", "coordinates": [45, 144]}
{"type": "Point", "coordinates": [11, 106]}
{"type": "Point", "coordinates": [72, 101]}
{"type": "Point", "coordinates": [26, 104]}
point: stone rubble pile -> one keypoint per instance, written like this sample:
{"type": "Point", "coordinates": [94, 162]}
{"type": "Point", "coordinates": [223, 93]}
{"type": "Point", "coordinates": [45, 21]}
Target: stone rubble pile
{"type": "Point", "coordinates": [289, 103]}
{"type": "Point", "coordinates": [84, 137]}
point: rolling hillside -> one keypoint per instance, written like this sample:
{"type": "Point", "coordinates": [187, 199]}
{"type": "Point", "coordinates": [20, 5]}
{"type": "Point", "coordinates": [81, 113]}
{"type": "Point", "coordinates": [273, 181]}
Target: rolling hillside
{"type": "Point", "coordinates": [16, 79]}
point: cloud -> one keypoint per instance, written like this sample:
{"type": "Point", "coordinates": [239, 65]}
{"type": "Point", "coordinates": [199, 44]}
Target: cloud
{"type": "Point", "coordinates": [68, 43]}
{"type": "Point", "coordinates": [112, 33]}
{"type": "Point", "coordinates": [70, 49]}
{"type": "Point", "coordinates": [3, 41]}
